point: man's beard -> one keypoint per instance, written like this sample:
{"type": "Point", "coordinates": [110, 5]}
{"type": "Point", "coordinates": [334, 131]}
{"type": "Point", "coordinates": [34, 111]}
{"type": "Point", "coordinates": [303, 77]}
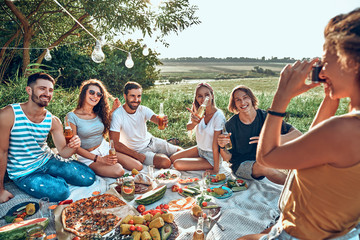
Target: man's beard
{"type": "Point", "coordinates": [132, 107]}
{"type": "Point", "coordinates": [37, 100]}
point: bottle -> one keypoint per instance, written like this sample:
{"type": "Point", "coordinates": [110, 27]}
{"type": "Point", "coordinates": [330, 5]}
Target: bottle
{"type": "Point", "coordinates": [201, 111]}
{"type": "Point", "coordinates": [199, 232]}
{"type": "Point", "coordinates": [112, 150]}
{"type": "Point", "coordinates": [228, 146]}
{"type": "Point", "coordinates": [128, 188]}
{"type": "Point", "coordinates": [161, 123]}
{"type": "Point", "coordinates": [68, 133]}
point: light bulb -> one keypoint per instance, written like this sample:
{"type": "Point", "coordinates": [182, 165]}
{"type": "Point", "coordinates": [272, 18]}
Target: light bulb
{"type": "Point", "coordinates": [155, 3]}
{"type": "Point", "coordinates": [47, 55]}
{"type": "Point", "coordinates": [97, 55]}
{"type": "Point", "coordinates": [145, 51]}
{"type": "Point", "coordinates": [129, 63]}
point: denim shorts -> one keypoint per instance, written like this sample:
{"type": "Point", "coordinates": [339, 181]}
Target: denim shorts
{"type": "Point", "coordinates": [52, 179]}
{"type": "Point", "coordinates": [209, 156]}
{"type": "Point", "coordinates": [277, 232]}
{"type": "Point", "coordinates": [157, 145]}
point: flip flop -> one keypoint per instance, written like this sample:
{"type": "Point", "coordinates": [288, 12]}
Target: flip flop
{"type": "Point", "coordinates": [174, 141]}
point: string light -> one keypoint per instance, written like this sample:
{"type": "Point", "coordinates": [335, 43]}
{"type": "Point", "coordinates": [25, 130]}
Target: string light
{"type": "Point", "coordinates": [98, 55]}
{"type": "Point", "coordinates": [129, 63]}
{"type": "Point", "coordinates": [47, 55]}
{"type": "Point", "coordinates": [145, 51]}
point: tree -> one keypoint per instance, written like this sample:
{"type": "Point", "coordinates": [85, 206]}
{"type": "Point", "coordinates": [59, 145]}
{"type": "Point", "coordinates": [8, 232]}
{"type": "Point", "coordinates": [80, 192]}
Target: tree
{"type": "Point", "coordinates": [42, 23]}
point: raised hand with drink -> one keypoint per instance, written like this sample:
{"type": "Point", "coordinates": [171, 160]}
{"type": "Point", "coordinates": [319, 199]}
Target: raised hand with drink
{"type": "Point", "coordinates": [68, 133]}
{"type": "Point", "coordinates": [162, 118]}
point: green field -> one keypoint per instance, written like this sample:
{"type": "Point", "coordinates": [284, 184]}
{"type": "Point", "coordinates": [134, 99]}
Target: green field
{"type": "Point", "coordinates": [215, 70]}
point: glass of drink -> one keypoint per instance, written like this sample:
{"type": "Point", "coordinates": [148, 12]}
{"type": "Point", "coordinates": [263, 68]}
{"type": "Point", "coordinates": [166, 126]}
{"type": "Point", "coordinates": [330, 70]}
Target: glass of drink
{"type": "Point", "coordinates": [161, 117]}
{"type": "Point", "coordinates": [206, 179]}
{"type": "Point", "coordinates": [68, 133]}
{"type": "Point", "coordinates": [228, 146]}
{"type": "Point", "coordinates": [199, 232]}
{"type": "Point", "coordinates": [128, 188]}
{"type": "Point", "coordinates": [201, 111]}
{"type": "Point", "coordinates": [151, 171]}
{"type": "Point", "coordinates": [44, 207]}
{"type": "Point", "coordinates": [112, 150]}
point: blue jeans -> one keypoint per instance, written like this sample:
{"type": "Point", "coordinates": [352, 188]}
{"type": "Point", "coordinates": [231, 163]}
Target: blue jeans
{"type": "Point", "coordinates": [52, 179]}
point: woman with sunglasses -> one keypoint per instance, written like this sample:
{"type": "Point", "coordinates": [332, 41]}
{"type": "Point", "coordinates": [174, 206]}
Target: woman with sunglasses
{"type": "Point", "coordinates": [204, 156]}
{"type": "Point", "coordinates": [90, 120]}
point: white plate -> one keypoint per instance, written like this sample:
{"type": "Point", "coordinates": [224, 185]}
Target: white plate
{"type": "Point", "coordinates": [169, 183]}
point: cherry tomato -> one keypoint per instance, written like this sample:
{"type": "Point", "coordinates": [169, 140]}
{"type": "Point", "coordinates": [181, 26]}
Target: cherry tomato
{"type": "Point", "coordinates": [240, 181]}
{"type": "Point", "coordinates": [158, 207]}
{"type": "Point", "coordinates": [204, 204]}
{"type": "Point", "coordinates": [132, 228]}
{"type": "Point", "coordinates": [166, 206]}
{"type": "Point", "coordinates": [131, 221]}
{"type": "Point", "coordinates": [138, 228]}
{"type": "Point", "coordinates": [180, 190]}
{"type": "Point", "coordinates": [76, 238]}
{"type": "Point", "coordinates": [209, 190]}
{"type": "Point", "coordinates": [161, 206]}
{"type": "Point", "coordinates": [213, 180]}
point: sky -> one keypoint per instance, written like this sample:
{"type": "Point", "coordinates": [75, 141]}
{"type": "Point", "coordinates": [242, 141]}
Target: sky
{"type": "Point", "coordinates": [255, 28]}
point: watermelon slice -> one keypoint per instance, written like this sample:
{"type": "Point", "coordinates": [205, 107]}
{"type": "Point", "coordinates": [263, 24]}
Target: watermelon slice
{"type": "Point", "coordinates": [18, 230]}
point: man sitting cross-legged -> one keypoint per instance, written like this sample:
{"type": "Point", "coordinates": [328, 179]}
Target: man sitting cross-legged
{"type": "Point", "coordinates": [129, 132]}
{"type": "Point", "coordinates": [24, 152]}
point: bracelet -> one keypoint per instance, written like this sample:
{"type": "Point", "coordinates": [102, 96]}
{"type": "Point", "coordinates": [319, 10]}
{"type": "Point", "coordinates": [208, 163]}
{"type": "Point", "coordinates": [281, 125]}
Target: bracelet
{"type": "Point", "coordinates": [95, 158]}
{"type": "Point", "coordinates": [278, 114]}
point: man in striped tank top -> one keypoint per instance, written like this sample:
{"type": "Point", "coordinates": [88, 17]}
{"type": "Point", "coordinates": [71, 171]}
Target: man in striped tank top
{"type": "Point", "coordinates": [24, 128]}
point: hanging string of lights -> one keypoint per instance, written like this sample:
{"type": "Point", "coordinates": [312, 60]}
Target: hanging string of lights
{"type": "Point", "coordinates": [97, 55]}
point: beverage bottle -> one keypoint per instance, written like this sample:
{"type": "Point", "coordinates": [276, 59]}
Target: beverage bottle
{"type": "Point", "coordinates": [199, 232]}
{"type": "Point", "coordinates": [128, 188]}
{"type": "Point", "coordinates": [112, 150]}
{"type": "Point", "coordinates": [201, 111]}
{"type": "Point", "coordinates": [161, 116]}
{"type": "Point", "coordinates": [68, 133]}
{"type": "Point", "coordinates": [228, 146]}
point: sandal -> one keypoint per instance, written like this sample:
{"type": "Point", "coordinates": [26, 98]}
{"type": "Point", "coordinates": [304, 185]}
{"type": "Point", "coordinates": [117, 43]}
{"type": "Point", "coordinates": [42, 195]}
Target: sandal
{"type": "Point", "coordinates": [173, 141]}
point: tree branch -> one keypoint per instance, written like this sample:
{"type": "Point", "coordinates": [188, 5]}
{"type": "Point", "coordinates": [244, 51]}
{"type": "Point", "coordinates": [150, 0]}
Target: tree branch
{"type": "Point", "coordinates": [65, 35]}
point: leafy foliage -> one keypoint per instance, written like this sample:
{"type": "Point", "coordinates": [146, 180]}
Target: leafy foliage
{"type": "Point", "coordinates": [42, 23]}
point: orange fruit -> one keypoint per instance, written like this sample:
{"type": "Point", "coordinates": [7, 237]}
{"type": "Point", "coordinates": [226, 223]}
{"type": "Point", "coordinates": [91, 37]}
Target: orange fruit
{"type": "Point", "coordinates": [127, 190]}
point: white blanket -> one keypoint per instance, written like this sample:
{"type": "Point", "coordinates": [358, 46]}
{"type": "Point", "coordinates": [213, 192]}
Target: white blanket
{"type": "Point", "coordinates": [245, 212]}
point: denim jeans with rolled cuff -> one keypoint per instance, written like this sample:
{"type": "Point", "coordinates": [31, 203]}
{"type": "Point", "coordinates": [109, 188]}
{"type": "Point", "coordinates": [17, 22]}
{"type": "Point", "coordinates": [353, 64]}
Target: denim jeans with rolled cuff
{"type": "Point", "coordinates": [52, 179]}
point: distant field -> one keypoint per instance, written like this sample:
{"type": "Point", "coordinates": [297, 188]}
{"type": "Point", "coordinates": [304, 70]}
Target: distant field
{"type": "Point", "coordinates": [216, 67]}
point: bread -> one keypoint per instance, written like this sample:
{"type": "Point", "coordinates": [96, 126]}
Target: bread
{"type": "Point", "coordinates": [143, 179]}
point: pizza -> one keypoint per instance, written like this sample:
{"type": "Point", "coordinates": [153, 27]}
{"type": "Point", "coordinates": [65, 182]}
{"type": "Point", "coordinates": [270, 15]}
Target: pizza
{"type": "Point", "coordinates": [87, 216]}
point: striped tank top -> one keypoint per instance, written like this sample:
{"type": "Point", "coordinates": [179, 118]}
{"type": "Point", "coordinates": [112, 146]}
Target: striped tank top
{"type": "Point", "coordinates": [28, 149]}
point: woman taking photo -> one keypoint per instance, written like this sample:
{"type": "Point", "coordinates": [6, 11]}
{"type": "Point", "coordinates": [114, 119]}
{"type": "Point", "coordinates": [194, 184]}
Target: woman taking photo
{"type": "Point", "coordinates": [204, 156]}
{"type": "Point", "coordinates": [321, 197]}
{"type": "Point", "coordinates": [91, 121]}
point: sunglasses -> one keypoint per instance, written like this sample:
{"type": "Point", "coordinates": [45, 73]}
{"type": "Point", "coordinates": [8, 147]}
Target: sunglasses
{"type": "Point", "coordinates": [99, 94]}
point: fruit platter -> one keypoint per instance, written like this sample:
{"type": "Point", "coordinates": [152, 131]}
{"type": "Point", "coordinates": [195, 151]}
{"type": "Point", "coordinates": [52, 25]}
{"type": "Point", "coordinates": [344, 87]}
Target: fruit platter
{"type": "Point", "coordinates": [217, 179]}
{"type": "Point", "coordinates": [220, 192]}
{"type": "Point", "coordinates": [188, 180]}
{"type": "Point", "coordinates": [167, 176]}
{"type": "Point", "coordinates": [237, 184]}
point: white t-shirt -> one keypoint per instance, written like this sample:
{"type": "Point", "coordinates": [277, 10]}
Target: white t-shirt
{"type": "Point", "coordinates": [205, 132]}
{"type": "Point", "coordinates": [132, 127]}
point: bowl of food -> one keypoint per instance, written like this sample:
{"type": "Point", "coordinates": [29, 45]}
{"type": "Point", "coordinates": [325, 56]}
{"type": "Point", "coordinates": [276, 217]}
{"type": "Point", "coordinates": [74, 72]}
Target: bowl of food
{"type": "Point", "coordinates": [169, 177]}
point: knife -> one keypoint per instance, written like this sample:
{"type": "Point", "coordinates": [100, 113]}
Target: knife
{"type": "Point", "coordinates": [216, 221]}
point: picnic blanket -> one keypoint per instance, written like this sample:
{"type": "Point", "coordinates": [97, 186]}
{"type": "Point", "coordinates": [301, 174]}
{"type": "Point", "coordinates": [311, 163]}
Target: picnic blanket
{"type": "Point", "coordinates": [245, 212]}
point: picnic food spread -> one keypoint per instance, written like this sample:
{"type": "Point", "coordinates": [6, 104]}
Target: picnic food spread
{"type": "Point", "coordinates": [86, 216]}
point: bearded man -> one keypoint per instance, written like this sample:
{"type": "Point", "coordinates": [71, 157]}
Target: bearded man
{"type": "Point", "coordinates": [129, 132]}
{"type": "Point", "coordinates": [30, 163]}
